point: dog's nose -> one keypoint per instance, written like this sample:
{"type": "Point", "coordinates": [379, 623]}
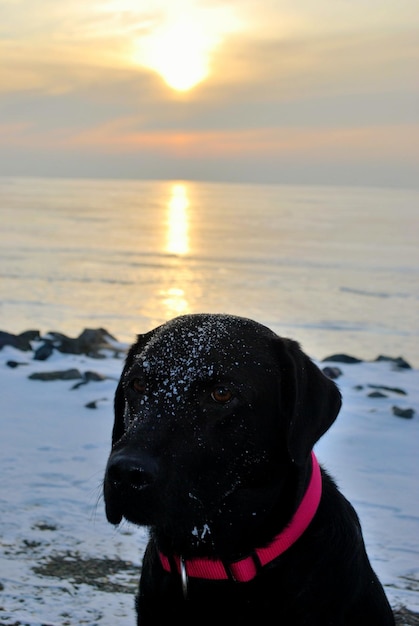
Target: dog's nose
{"type": "Point", "coordinates": [129, 470]}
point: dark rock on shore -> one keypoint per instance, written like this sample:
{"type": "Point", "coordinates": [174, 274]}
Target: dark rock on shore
{"type": "Point", "coordinates": [342, 358]}
{"type": "Point", "coordinates": [377, 394]}
{"type": "Point", "coordinates": [94, 403]}
{"type": "Point", "coordinates": [397, 390]}
{"type": "Point", "coordinates": [14, 364]}
{"type": "Point", "coordinates": [89, 377]}
{"type": "Point", "coordinates": [21, 341]}
{"type": "Point", "coordinates": [70, 374]}
{"type": "Point", "coordinates": [405, 413]}
{"type": "Point", "coordinates": [91, 342]}
{"type": "Point", "coordinates": [398, 361]}
{"type": "Point", "coordinates": [332, 372]}
{"type": "Point", "coordinates": [43, 352]}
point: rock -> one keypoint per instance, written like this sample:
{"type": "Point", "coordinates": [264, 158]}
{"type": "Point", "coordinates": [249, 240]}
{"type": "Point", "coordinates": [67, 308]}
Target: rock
{"type": "Point", "coordinates": [91, 405]}
{"type": "Point", "coordinates": [406, 413]}
{"type": "Point", "coordinates": [43, 352]}
{"type": "Point", "coordinates": [88, 377]}
{"type": "Point", "coordinates": [21, 342]}
{"type": "Point", "coordinates": [89, 342]}
{"type": "Point", "coordinates": [94, 376]}
{"type": "Point", "coordinates": [70, 374]}
{"type": "Point", "coordinates": [377, 394]}
{"type": "Point", "coordinates": [401, 392]}
{"type": "Point", "coordinates": [398, 361]}
{"type": "Point", "coordinates": [342, 358]}
{"type": "Point", "coordinates": [332, 372]}
{"type": "Point", "coordinates": [14, 364]}
{"type": "Point", "coordinates": [94, 403]}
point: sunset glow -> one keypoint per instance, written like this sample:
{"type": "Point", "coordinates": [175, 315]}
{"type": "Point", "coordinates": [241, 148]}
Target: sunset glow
{"type": "Point", "coordinates": [198, 90]}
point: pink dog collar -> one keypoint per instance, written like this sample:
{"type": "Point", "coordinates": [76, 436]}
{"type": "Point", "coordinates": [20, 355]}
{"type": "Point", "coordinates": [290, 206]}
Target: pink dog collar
{"type": "Point", "coordinates": [247, 568]}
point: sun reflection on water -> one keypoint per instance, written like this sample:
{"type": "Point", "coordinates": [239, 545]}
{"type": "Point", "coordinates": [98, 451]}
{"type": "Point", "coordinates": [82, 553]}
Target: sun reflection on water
{"type": "Point", "coordinates": [177, 244]}
{"type": "Point", "coordinates": [174, 302]}
{"type": "Point", "coordinates": [177, 221]}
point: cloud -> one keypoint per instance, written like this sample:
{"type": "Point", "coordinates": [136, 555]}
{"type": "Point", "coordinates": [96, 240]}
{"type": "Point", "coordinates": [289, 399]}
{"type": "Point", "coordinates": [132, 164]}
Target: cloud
{"type": "Point", "coordinates": [285, 68]}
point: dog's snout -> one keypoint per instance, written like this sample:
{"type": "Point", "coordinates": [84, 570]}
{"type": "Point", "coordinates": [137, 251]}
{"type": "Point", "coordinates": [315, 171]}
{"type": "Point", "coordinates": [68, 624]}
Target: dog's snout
{"type": "Point", "coordinates": [129, 470]}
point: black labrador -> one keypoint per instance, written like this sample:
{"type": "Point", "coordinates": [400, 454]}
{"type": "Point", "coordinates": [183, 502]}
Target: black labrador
{"type": "Point", "coordinates": [216, 417]}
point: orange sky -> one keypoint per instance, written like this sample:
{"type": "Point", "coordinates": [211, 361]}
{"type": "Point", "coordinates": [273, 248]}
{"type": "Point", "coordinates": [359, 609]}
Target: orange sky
{"type": "Point", "coordinates": [321, 92]}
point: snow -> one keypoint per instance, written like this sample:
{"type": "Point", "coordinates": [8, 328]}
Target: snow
{"type": "Point", "coordinates": [53, 451]}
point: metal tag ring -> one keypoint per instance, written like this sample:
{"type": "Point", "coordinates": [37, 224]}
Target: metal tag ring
{"type": "Point", "coordinates": [183, 577]}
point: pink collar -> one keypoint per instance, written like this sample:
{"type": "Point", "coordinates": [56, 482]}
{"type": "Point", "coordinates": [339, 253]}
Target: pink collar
{"type": "Point", "coordinates": [247, 568]}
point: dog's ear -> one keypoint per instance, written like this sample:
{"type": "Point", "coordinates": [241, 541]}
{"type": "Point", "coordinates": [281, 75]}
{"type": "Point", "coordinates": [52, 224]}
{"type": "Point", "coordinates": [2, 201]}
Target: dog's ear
{"type": "Point", "coordinates": [310, 402]}
{"type": "Point", "coordinates": [119, 399]}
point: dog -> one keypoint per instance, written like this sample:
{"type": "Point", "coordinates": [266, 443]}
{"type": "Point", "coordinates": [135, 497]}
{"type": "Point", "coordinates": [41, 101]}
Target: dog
{"type": "Point", "coordinates": [216, 417]}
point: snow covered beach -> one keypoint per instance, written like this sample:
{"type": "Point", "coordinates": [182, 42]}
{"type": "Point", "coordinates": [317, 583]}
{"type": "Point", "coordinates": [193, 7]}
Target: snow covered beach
{"type": "Point", "coordinates": [63, 564]}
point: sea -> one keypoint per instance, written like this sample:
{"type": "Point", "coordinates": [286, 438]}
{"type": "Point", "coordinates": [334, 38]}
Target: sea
{"type": "Point", "coordinates": [335, 268]}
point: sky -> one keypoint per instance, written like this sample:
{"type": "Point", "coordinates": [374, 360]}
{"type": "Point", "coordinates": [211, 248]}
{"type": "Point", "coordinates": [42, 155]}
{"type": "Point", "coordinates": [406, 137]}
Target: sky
{"type": "Point", "coordinates": [316, 91]}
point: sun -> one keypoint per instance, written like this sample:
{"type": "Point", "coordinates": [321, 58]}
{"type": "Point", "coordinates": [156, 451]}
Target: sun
{"type": "Point", "coordinates": [180, 47]}
{"type": "Point", "coordinates": [180, 54]}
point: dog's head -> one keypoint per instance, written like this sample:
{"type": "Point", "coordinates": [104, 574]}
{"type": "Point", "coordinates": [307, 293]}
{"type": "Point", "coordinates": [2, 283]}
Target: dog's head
{"type": "Point", "coordinates": [213, 414]}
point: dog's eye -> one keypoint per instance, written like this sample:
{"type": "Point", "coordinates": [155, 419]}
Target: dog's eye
{"type": "Point", "coordinates": [138, 385]}
{"type": "Point", "coordinates": [221, 394]}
